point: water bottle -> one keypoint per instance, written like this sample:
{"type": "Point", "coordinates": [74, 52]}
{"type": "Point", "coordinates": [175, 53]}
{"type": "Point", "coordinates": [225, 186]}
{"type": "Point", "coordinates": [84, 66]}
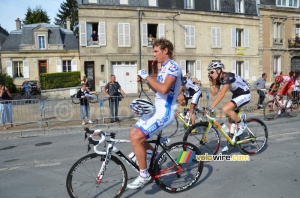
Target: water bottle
{"type": "Point", "coordinates": [225, 128]}
{"type": "Point", "coordinates": [132, 157]}
{"type": "Point", "coordinates": [232, 128]}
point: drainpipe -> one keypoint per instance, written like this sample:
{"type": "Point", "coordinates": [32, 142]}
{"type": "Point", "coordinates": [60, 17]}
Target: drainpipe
{"type": "Point", "coordinates": [139, 36]}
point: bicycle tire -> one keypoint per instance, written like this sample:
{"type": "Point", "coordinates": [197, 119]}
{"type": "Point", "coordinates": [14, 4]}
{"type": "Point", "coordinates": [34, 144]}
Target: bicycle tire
{"type": "Point", "coordinates": [169, 131]}
{"type": "Point", "coordinates": [164, 166]}
{"type": "Point", "coordinates": [260, 130]}
{"type": "Point", "coordinates": [293, 110]}
{"type": "Point", "coordinates": [94, 100]}
{"type": "Point", "coordinates": [212, 142]}
{"type": "Point", "coordinates": [271, 111]}
{"type": "Point", "coordinates": [81, 178]}
{"type": "Point", "coordinates": [74, 99]}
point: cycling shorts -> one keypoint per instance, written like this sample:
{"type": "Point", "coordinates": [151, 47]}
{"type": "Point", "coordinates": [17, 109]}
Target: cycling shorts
{"type": "Point", "coordinates": [241, 99]}
{"type": "Point", "coordinates": [290, 85]}
{"type": "Point", "coordinates": [152, 124]}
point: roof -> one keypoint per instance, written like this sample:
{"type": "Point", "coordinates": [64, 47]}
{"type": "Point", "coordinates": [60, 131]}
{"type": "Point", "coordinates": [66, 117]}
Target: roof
{"type": "Point", "coordinates": [3, 35]}
{"type": "Point", "coordinates": [25, 36]}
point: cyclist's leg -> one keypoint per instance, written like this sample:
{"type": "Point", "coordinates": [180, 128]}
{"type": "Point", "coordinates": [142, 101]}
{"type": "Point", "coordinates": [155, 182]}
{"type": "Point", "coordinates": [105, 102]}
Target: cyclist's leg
{"type": "Point", "coordinates": [194, 103]}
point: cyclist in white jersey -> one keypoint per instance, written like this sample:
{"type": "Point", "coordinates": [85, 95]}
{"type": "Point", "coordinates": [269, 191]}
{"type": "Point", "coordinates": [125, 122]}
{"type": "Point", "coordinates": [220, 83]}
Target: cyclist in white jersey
{"type": "Point", "coordinates": [166, 87]}
{"type": "Point", "coordinates": [239, 88]}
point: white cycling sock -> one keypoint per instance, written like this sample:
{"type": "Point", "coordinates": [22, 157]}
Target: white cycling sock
{"type": "Point", "coordinates": [144, 173]}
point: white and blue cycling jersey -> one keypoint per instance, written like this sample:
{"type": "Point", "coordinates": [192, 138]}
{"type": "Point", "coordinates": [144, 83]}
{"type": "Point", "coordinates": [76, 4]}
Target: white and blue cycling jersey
{"type": "Point", "coordinates": [165, 104]}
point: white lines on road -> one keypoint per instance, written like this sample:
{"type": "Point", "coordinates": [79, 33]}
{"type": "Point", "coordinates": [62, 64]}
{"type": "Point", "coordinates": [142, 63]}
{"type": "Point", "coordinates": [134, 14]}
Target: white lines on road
{"type": "Point", "coordinates": [285, 136]}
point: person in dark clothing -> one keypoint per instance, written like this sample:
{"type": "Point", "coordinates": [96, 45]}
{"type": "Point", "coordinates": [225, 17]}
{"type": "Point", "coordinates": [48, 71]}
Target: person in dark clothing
{"type": "Point", "coordinates": [83, 94]}
{"type": "Point", "coordinates": [5, 106]}
{"type": "Point", "coordinates": [259, 85]}
{"type": "Point", "coordinates": [94, 37]}
{"type": "Point", "coordinates": [112, 90]}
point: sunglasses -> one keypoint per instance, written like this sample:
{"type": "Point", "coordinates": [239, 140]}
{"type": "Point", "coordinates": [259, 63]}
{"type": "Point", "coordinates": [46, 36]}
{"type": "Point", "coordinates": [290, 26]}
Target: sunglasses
{"type": "Point", "coordinates": [211, 72]}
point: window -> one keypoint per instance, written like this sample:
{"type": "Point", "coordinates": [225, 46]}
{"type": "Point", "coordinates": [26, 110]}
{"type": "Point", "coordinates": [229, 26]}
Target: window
{"type": "Point", "coordinates": [66, 66]}
{"type": "Point", "coordinates": [216, 5]}
{"type": "Point", "coordinates": [277, 65]}
{"type": "Point", "coordinates": [278, 33]}
{"type": "Point", "coordinates": [297, 29]}
{"type": "Point", "coordinates": [241, 68]}
{"type": "Point", "coordinates": [152, 2]}
{"type": "Point", "coordinates": [239, 6]}
{"type": "Point", "coordinates": [92, 34]}
{"type": "Point", "coordinates": [189, 36]}
{"type": "Point", "coordinates": [189, 4]}
{"type": "Point", "coordinates": [215, 37]}
{"type": "Point", "coordinates": [288, 3]}
{"type": "Point", "coordinates": [41, 40]}
{"type": "Point", "coordinates": [18, 69]}
{"type": "Point", "coordinates": [192, 67]}
{"type": "Point", "coordinates": [124, 34]}
{"type": "Point", "coordinates": [240, 37]}
{"type": "Point", "coordinates": [124, 2]}
{"type": "Point", "coordinates": [92, 1]}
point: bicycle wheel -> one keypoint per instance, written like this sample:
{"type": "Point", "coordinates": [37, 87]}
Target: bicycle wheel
{"type": "Point", "coordinates": [210, 144]}
{"type": "Point", "coordinates": [258, 132]}
{"type": "Point", "coordinates": [94, 99]}
{"type": "Point", "coordinates": [172, 178]}
{"type": "Point", "coordinates": [171, 131]}
{"type": "Point", "coordinates": [74, 99]}
{"type": "Point", "coordinates": [293, 110]}
{"type": "Point", "coordinates": [271, 110]}
{"type": "Point", "coordinates": [81, 179]}
{"type": "Point", "coordinates": [17, 97]}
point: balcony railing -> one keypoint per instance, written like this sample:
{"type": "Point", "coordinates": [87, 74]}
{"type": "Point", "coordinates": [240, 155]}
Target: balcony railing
{"type": "Point", "coordinates": [277, 40]}
{"type": "Point", "coordinates": [293, 43]}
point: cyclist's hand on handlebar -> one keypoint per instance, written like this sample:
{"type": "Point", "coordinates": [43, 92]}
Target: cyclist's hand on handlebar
{"type": "Point", "coordinates": [143, 74]}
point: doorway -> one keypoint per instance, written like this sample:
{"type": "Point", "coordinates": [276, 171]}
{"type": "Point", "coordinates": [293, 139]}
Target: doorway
{"type": "Point", "coordinates": [89, 70]}
{"type": "Point", "coordinates": [42, 67]}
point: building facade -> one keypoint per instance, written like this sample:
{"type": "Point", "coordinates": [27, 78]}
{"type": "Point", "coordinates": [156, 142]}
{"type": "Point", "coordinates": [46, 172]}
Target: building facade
{"type": "Point", "coordinates": [279, 24]}
{"type": "Point", "coordinates": [3, 35]}
{"type": "Point", "coordinates": [201, 31]}
{"type": "Point", "coordinates": [39, 48]}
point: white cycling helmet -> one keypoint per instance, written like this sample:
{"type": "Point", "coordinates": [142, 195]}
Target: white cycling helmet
{"type": "Point", "coordinates": [215, 65]}
{"type": "Point", "coordinates": [141, 106]}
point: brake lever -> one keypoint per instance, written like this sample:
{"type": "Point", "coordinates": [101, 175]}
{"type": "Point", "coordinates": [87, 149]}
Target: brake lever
{"type": "Point", "coordinates": [89, 148]}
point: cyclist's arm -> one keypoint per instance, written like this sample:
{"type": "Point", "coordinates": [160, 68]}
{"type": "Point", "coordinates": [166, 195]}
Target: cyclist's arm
{"type": "Point", "coordinates": [162, 87]}
{"type": "Point", "coordinates": [214, 88]}
{"type": "Point", "coordinates": [181, 89]}
{"type": "Point", "coordinates": [274, 87]}
{"type": "Point", "coordinates": [282, 87]}
{"type": "Point", "coordinates": [220, 95]}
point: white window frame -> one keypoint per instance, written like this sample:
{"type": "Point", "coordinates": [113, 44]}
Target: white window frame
{"type": "Point", "coordinates": [39, 46]}
{"type": "Point", "coordinates": [92, 1]}
{"type": "Point", "coordinates": [190, 32]}
{"type": "Point", "coordinates": [189, 4]}
{"type": "Point", "coordinates": [278, 27]}
{"type": "Point", "coordinates": [123, 2]}
{"type": "Point", "coordinates": [244, 37]}
{"type": "Point", "coordinates": [18, 68]}
{"type": "Point", "coordinates": [286, 3]}
{"type": "Point", "coordinates": [67, 66]}
{"type": "Point", "coordinates": [152, 3]}
{"type": "Point", "coordinates": [123, 35]}
{"type": "Point", "coordinates": [297, 29]}
{"type": "Point", "coordinates": [276, 65]}
{"type": "Point", "coordinates": [240, 6]}
{"type": "Point", "coordinates": [239, 37]}
{"type": "Point", "coordinates": [215, 5]}
{"type": "Point", "coordinates": [215, 37]}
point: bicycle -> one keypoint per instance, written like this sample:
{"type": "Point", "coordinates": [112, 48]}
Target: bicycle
{"type": "Point", "coordinates": [102, 174]}
{"type": "Point", "coordinates": [92, 99]}
{"type": "Point", "coordinates": [275, 107]}
{"type": "Point", "coordinates": [207, 138]}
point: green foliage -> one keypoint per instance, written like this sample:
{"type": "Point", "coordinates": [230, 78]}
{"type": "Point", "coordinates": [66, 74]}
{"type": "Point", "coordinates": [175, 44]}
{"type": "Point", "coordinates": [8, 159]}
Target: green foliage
{"type": "Point", "coordinates": [68, 8]}
{"type": "Point", "coordinates": [8, 82]}
{"type": "Point", "coordinates": [37, 15]}
{"type": "Point", "coordinates": [60, 80]}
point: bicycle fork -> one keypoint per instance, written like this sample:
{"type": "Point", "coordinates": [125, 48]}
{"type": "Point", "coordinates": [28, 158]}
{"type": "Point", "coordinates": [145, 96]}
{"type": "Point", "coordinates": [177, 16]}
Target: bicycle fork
{"type": "Point", "coordinates": [104, 164]}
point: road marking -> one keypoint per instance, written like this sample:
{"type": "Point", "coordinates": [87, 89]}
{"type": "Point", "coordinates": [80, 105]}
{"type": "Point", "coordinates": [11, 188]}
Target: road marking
{"type": "Point", "coordinates": [49, 164]}
{"type": "Point", "coordinates": [284, 136]}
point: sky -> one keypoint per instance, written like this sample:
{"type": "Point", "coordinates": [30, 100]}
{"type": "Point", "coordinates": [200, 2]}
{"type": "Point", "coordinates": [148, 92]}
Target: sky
{"type": "Point", "coordinates": [13, 9]}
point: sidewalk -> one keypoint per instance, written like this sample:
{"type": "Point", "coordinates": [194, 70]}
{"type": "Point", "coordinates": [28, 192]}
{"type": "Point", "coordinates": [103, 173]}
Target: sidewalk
{"type": "Point", "coordinates": [33, 129]}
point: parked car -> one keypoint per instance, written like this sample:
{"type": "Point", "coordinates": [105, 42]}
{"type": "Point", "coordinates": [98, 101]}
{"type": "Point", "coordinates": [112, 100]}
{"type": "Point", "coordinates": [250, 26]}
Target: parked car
{"type": "Point", "coordinates": [35, 87]}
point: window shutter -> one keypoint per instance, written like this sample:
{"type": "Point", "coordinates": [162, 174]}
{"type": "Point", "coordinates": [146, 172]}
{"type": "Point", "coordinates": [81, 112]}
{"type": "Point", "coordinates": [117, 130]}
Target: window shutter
{"type": "Point", "coordinates": [161, 30]}
{"type": "Point", "coordinates": [144, 34]}
{"type": "Point", "coordinates": [58, 66]}
{"type": "Point", "coordinates": [102, 34]}
{"type": "Point", "coordinates": [198, 70]}
{"type": "Point", "coordinates": [246, 37]}
{"type": "Point", "coordinates": [218, 37]}
{"type": "Point", "coordinates": [187, 38]}
{"type": "Point", "coordinates": [193, 35]}
{"type": "Point", "coordinates": [124, 34]}
{"type": "Point", "coordinates": [25, 69]}
{"type": "Point", "coordinates": [233, 67]}
{"type": "Point", "coordinates": [120, 34]}
{"type": "Point", "coordinates": [82, 35]}
{"type": "Point", "coordinates": [74, 65]}
{"type": "Point", "coordinates": [183, 67]}
{"type": "Point", "coordinates": [246, 65]}
{"type": "Point", "coordinates": [127, 34]}
{"type": "Point", "coordinates": [125, 2]}
{"type": "Point", "coordinates": [185, 4]}
{"type": "Point", "coordinates": [152, 2]}
{"type": "Point", "coordinates": [233, 37]}
{"type": "Point", "coordinates": [213, 37]}
{"type": "Point", "coordinates": [9, 68]}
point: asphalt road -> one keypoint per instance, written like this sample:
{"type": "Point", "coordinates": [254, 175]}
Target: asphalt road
{"type": "Point", "coordinates": [36, 167]}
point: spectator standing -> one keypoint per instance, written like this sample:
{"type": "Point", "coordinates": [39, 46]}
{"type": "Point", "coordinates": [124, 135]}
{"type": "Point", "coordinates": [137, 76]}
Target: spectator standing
{"type": "Point", "coordinates": [297, 40]}
{"type": "Point", "coordinates": [27, 88]}
{"type": "Point", "coordinates": [83, 94]}
{"type": "Point", "coordinates": [5, 106]}
{"type": "Point", "coordinates": [296, 91]}
{"type": "Point", "coordinates": [112, 91]}
{"type": "Point", "coordinates": [150, 40]}
{"type": "Point", "coordinates": [94, 37]}
{"type": "Point", "coordinates": [259, 85]}
{"type": "Point", "coordinates": [85, 80]}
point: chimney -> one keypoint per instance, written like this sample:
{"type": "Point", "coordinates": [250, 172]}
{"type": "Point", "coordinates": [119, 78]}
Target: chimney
{"type": "Point", "coordinates": [18, 24]}
{"type": "Point", "coordinates": [68, 23]}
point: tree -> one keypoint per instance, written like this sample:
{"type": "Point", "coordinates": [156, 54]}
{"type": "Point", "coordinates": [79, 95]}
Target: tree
{"type": "Point", "coordinates": [69, 8]}
{"type": "Point", "coordinates": [37, 15]}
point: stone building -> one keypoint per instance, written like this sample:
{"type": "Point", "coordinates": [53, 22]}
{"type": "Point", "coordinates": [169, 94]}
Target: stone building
{"type": "Point", "coordinates": [39, 48]}
{"type": "Point", "coordinates": [3, 35]}
{"type": "Point", "coordinates": [201, 31]}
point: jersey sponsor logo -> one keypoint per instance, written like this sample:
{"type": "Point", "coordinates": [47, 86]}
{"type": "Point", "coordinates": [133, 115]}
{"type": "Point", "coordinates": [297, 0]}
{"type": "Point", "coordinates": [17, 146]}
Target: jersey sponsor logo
{"type": "Point", "coordinates": [152, 128]}
{"type": "Point", "coordinates": [159, 122]}
{"type": "Point", "coordinates": [173, 68]}
{"type": "Point", "coordinates": [171, 93]}
{"type": "Point", "coordinates": [159, 78]}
